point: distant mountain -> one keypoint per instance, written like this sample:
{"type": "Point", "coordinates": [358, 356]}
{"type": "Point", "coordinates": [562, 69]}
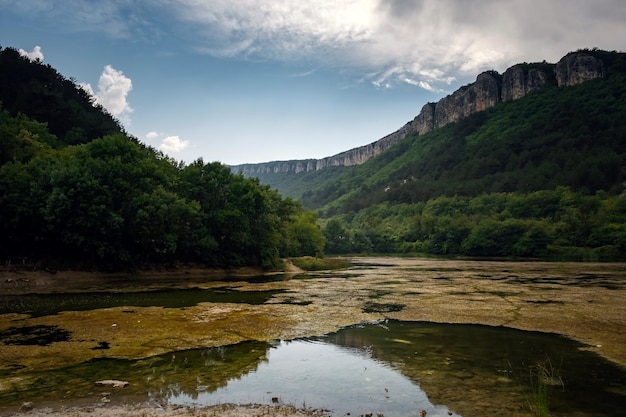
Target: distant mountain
{"type": "Point", "coordinates": [489, 90]}
{"type": "Point", "coordinates": [541, 173]}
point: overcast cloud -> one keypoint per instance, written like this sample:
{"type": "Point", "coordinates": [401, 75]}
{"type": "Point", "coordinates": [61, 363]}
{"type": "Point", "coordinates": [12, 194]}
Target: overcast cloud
{"type": "Point", "coordinates": [423, 43]}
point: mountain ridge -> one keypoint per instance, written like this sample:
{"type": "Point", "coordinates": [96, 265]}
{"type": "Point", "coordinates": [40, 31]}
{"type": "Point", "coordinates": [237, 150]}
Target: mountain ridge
{"type": "Point", "coordinates": [489, 89]}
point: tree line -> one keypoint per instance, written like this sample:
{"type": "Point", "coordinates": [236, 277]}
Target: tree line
{"type": "Point", "coordinates": [559, 224]}
{"type": "Point", "coordinates": [77, 191]}
{"type": "Point", "coordinates": [115, 204]}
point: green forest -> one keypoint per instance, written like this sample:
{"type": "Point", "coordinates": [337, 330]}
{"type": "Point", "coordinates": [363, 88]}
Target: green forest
{"type": "Point", "coordinates": [541, 176]}
{"type": "Point", "coordinates": [76, 191]}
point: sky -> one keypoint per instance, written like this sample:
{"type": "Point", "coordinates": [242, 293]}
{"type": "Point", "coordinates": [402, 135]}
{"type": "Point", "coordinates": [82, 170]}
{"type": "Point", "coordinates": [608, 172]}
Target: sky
{"type": "Point", "coordinates": [251, 81]}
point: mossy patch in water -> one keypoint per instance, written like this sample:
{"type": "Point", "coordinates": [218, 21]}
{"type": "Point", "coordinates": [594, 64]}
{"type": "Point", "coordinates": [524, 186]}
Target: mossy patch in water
{"type": "Point", "coordinates": [39, 335]}
{"type": "Point", "coordinates": [371, 307]}
{"type": "Point", "coordinates": [320, 303]}
{"type": "Point", "coordinates": [378, 294]}
{"type": "Point", "coordinates": [47, 304]}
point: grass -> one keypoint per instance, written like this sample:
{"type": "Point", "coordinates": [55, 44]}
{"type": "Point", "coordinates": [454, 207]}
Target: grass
{"type": "Point", "coordinates": [542, 379]}
{"type": "Point", "coordinates": [309, 263]}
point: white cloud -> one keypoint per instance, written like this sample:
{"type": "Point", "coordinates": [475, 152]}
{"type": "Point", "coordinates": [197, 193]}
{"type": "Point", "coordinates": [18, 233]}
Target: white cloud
{"type": "Point", "coordinates": [34, 55]}
{"type": "Point", "coordinates": [152, 135]}
{"type": "Point", "coordinates": [113, 88]}
{"type": "Point", "coordinates": [173, 144]}
{"type": "Point", "coordinates": [87, 88]}
{"type": "Point", "coordinates": [169, 144]}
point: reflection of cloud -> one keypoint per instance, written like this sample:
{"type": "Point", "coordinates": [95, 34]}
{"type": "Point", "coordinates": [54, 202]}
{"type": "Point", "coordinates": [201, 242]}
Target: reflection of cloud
{"type": "Point", "coordinates": [34, 55]}
{"type": "Point", "coordinates": [113, 87]}
{"type": "Point", "coordinates": [173, 144]}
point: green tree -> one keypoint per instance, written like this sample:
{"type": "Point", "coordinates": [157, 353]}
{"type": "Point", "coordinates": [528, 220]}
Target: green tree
{"type": "Point", "coordinates": [337, 237]}
{"type": "Point", "coordinates": [302, 235]}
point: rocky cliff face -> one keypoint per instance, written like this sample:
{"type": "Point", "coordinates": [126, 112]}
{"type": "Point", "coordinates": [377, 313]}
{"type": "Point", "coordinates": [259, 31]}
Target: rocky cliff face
{"type": "Point", "coordinates": [489, 89]}
{"type": "Point", "coordinates": [522, 79]}
{"type": "Point", "coordinates": [478, 96]}
{"type": "Point", "coordinates": [576, 68]}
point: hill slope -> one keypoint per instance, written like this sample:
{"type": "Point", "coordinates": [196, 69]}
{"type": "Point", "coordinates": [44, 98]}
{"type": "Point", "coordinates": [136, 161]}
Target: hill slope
{"type": "Point", "coordinates": [41, 93]}
{"type": "Point", "coordinates": [543, 176]}
{"type": "Point", "coordinates": [77, 192]}
{"type": "Point", "coordinates": [574, 136]}
{"type": "Point", "coordinates": [489, 89]}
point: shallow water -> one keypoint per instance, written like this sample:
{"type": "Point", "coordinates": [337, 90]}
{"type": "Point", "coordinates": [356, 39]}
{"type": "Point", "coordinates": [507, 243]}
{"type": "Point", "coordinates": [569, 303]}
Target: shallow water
{"type": "Point", "coordinates": [47, 304]}
{"type": "Point", "coordinates": [384, 367]}
{"type": "Point", "coordinates": [346, 381]}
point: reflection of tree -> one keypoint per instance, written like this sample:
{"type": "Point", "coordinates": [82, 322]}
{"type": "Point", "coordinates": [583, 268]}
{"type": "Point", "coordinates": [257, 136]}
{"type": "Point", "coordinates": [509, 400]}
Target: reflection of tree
{"type": "Point", "coordinates": [483, 370]}
{"type": "Point", "coordinates": [156, 378]}
{"type": "Point", "coordinates": [201, 370]}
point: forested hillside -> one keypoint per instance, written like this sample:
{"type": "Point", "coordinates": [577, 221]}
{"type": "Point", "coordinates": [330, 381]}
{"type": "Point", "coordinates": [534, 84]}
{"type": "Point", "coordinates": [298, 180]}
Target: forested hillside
{"type": "Point", "coordinates": [540, 176]}
{"type": "Point", "coordinates": [76, 191]}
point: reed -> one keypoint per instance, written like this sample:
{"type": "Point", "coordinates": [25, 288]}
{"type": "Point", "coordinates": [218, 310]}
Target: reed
{"type": "Point", "coordinates": [543, 378]}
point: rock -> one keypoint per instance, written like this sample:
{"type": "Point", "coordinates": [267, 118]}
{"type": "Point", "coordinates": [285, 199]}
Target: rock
{"type": "Point", "coordinates": [522, 79]}
{"type": "Point", "coordinates": [114, 383]}
{"type": "Point", "coordinates": [425, 121]}
{"type": "Point", "coordinates": [27, 406]}
{"type": "Point", "coordinates": [478, 96]}
{"type": "Point", "coordinates": [577, 67]}
{"type": "Point", "coordinates": [489, 89]}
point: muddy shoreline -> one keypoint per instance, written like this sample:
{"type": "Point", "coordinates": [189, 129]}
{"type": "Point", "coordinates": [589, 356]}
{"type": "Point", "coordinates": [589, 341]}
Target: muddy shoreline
{"type": "Point", "coordinates": [581, 301]}
{"type": "Point", "coordinates": [138, 410]}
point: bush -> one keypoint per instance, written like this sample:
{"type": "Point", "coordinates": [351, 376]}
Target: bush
{"type": "Point", "coordinates": [309, 263]}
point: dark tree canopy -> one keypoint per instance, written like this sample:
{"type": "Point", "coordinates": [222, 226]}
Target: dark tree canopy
{"type": "Point", "coordinates": [76, 191]}
{"type": "Point", "coordinates": [41, 93]}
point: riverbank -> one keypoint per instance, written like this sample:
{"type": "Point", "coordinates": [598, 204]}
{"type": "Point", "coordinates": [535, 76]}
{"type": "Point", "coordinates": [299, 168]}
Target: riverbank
{"type": "Point", "coordinates": [28, 280]}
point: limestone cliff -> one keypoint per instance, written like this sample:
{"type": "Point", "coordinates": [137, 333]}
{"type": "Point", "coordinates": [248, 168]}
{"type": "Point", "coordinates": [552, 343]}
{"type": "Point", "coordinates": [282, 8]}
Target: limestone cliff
{"type": "Point", "coordinates": [522, 79]}
{"type": "Point", "coordinates": [577, 67]}
{"type": "Point", "coordinates": [489, 89]}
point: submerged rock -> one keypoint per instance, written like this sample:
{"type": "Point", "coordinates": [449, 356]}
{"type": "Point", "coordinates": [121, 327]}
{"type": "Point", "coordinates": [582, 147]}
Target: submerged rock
{"type": "Point", "coordinates": [112, 383]}
{"type": "Point", "coordinates": [27, 406]}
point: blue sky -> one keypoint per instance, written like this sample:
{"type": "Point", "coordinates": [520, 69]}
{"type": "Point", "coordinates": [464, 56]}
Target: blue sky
{"type": "Point", "coordinates": [253, 81]}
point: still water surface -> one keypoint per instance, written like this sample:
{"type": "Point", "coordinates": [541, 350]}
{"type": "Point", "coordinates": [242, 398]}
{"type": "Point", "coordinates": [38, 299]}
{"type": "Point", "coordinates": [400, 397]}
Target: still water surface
{"type": "Point", "coordinates": [322, 375]}
{"type": "Point", "coordinates": [396, 368]}
{"type": "Point", "coordinates": [46, 304]}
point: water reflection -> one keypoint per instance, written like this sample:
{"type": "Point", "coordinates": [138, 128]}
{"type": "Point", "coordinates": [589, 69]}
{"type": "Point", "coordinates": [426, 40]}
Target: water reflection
{"type": "Point", "coordinates": [395, 368]}
{"type": "Point", "coordinates": [47, 304]}
{"type": "Point", "coordinates": [321, 375]}
{"type": "Point", "coordinates": [494, 370]}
